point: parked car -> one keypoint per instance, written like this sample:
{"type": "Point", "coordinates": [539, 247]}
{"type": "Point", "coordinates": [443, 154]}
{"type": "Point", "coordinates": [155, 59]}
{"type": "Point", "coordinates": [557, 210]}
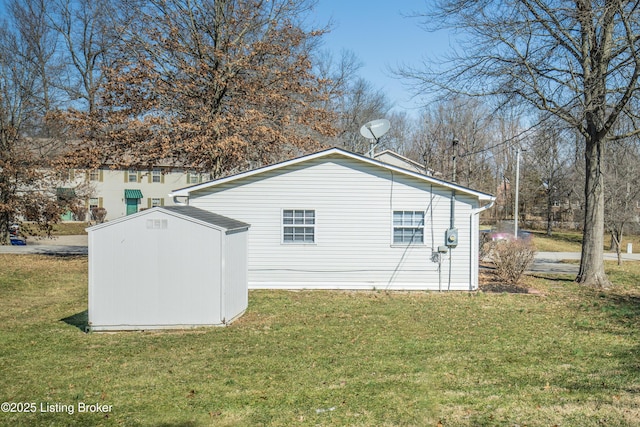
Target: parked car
{"type": "Point", "coordinates": [505, 235]}
{"type": "Point", "coordinates": [14, 236]}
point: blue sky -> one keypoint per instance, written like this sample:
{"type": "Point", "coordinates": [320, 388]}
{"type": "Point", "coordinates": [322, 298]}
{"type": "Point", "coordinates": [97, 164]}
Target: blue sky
{"type": "Point", "coordinates": [382, 37]}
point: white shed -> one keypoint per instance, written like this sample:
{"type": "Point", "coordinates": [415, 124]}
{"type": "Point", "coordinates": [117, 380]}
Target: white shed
{"type": "Point", "coordinates": [167, 267]}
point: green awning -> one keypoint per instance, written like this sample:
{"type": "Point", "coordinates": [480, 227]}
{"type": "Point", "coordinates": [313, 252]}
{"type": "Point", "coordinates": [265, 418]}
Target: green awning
{"type": "Point", "coordinates": [132, 194]}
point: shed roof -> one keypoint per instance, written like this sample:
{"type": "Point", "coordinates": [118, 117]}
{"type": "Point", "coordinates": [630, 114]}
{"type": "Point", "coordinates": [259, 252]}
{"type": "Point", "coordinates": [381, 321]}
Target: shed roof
{"type": "Point", "coordinates": [184, 192]}
{"type": "Point", "coordinates": [185, 212]}
{"type": "Point", "coordinates": [208, 217]}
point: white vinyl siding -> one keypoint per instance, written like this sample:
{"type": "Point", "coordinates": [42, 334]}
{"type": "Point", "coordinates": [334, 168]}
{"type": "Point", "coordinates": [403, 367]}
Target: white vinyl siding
{"type": "Point", "coordinates": [298, 226]}
{"type": "Point", "coordinates": [408, 227]}
{"type": "Point", "coordinates": [354, 204]}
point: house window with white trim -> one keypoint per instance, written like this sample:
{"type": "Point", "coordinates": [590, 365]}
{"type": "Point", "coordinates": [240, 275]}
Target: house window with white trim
{"type": "Point", "coordinates": [298, 226]}
{"type": "Point", "coordinates": [94, 175]}
{"type": "Point", "coordinates": [408, 227]}
{"type": "Point", "coordinates": [156, 175]}
{"type": "Point", "coordinates": [132, 175]}
{"type": "Point", "coordinates": [193, 178]}
{"type": "Point", "coordinates": [155, 202]}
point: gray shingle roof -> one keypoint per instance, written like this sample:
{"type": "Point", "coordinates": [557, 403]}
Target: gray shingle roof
{"type": "Point", "coordinates": [208, 217]}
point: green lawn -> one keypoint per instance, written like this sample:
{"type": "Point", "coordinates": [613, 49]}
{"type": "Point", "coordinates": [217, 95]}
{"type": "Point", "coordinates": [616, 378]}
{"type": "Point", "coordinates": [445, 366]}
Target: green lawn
{"type": "Point", "coordinates": [571, 241]}
{"type": "Point", "coordinates": [568, 357]}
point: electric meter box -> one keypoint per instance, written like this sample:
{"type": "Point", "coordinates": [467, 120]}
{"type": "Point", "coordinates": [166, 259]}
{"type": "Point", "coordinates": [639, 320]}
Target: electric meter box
{"type": "Point", "coordinates": [451, 237]}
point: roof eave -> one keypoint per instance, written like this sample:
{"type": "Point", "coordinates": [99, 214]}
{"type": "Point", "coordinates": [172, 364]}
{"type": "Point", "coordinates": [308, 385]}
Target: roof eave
{"type": "Point", "coordinates": [185, 192]}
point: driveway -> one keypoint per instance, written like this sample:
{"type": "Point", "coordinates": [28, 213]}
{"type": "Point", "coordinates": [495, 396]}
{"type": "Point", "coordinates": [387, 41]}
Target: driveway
{"type": "Point", "coordinates": [551, 262]}
{"type": "Point", "coordinates": [61, 245]}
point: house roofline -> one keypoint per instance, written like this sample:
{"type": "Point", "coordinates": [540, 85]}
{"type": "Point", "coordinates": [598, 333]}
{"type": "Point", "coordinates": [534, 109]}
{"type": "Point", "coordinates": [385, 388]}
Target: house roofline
{"type": "Point", "coordinates": [186, 191]}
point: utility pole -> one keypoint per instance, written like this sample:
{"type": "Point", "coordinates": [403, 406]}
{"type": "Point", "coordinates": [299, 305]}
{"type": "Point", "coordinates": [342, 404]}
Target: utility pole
{"type": "Point", "coordinates": [515, 208]}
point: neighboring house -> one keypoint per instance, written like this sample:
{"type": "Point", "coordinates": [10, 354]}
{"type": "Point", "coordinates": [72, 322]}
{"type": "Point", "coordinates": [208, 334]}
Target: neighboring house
{"type": "Point", "coordinates": [169, 267]}
{"type": "Point", "coordinates": [395, 159]}
{"type": "Point", "coordinates": [338, 220]}
{"type": "Point", "coordinates": [123, 192]}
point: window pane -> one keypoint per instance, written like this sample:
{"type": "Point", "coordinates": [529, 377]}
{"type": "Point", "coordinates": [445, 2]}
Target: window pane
{"type": "Point", "coordinates": [408, 227]}
{"type": "Point", "coordinates": [295, 221]}
{"type": "Point", "coordinates": [287, 217]}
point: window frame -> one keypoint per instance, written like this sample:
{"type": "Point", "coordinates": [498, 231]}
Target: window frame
{"type": "Point", "coordinates": [156, 173]}
{"type": "Point", "coordinates": [193, 178]}
{"type": "Point", "coordinates": [131, 173]}
{"type": "Point", "coordinates": [305, 225]}
{"type": "Point", "coordinates": [412, 225]}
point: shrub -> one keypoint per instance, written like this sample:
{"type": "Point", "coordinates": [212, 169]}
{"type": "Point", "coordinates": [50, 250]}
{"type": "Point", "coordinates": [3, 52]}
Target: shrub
{"type": "Point", "coordinates": [98, 214]}
{"type": "Point", "coordinates": [512, 258]}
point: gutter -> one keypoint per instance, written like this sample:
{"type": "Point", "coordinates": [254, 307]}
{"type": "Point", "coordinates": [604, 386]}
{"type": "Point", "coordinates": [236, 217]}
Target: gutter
{"type": "Point", "coordinates": [183, 202]}
{"type": "Point", "coordinates": [484, 208]}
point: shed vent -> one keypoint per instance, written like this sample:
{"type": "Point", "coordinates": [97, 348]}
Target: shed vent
{"type": "Point", "coordinates": [157, 224]}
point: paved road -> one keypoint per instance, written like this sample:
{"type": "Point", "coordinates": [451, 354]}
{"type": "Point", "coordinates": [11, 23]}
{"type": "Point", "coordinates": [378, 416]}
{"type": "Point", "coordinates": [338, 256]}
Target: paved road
{"type": "Point", "coordinates": [62, 245]}
{"type": "Point", "coordinates": [551, 262]}
{"type": "Point", "coordinates": [545, 262]}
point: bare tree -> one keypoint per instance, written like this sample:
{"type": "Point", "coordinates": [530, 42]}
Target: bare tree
{"type": "Point", "coordinates": [548, 165]}
{"type": "Point", "coordinates": [622, 178]}
{"type": "Point", "coordinates": [25, 190]}
{"type": "Point", "coordinates": [90, 32]}
{"type": "Point", "coordinates": [578, 60]}
{"type": "Point", "coordinates": [353, 99]}
{"type": "Point", "coordinates": [470, 124]}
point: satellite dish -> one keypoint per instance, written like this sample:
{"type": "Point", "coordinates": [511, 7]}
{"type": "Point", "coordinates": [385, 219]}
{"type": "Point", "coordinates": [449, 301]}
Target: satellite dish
{"type": "Point", "coordinates": [375, 129]}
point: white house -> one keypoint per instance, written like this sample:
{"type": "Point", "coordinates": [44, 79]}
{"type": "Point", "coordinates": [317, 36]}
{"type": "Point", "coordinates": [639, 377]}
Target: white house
{"type": "Point", "coordinates": [147, 271]}
{"type": "Point", "coordinates": [338, 220]}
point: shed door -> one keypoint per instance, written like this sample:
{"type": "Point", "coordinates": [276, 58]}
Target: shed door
{"type": "Point", "coordinates": [132, 206]}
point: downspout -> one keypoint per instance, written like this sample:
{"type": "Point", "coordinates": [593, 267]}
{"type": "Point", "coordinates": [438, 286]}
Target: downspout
{"type": "Point", "coordinates": [475, 254]}
{"type": "Point", "coordinates": [451, 235]}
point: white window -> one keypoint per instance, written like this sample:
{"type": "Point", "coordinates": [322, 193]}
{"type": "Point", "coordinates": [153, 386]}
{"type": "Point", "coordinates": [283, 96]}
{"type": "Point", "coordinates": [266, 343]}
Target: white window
{"type": "Point", "coordinates": [298, 226]}
{"type": "Point", "coordinates": [193, 178]}
{"type": "Point", "coordinates": [132, 176]}
{"type": "Point", "coordinates": [155, 202]}
{"type": "Point", "coordinates": [156, 175]}
{"type": "Point", "coordinates": [94, 202]}
{"type": "Point", "coordinates": [94, 175]}
{"type": "Point", "coordinates": [408, 227]}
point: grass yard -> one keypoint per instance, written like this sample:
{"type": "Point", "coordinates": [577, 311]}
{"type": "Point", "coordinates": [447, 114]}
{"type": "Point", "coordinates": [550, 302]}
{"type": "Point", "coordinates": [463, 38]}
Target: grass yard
{"type": "Point", "coordinates": [567, 357]}
{"type": "Point", "coordinates": [571, 241]}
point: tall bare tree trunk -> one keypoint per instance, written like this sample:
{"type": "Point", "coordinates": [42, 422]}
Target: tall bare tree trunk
{"type": "Point", "coordinates": [591, 272]}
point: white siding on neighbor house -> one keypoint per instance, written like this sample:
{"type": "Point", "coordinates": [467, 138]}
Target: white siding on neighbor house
{"type": "Point", "coordinates": [354, 203]}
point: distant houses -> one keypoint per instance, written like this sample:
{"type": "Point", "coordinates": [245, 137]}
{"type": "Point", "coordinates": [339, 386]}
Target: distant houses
{"type": "Point", "coordinates": [121, 192]}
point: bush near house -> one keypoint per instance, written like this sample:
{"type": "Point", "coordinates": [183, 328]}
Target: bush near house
{"type": "Point", "coordinates": [512, 258]}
